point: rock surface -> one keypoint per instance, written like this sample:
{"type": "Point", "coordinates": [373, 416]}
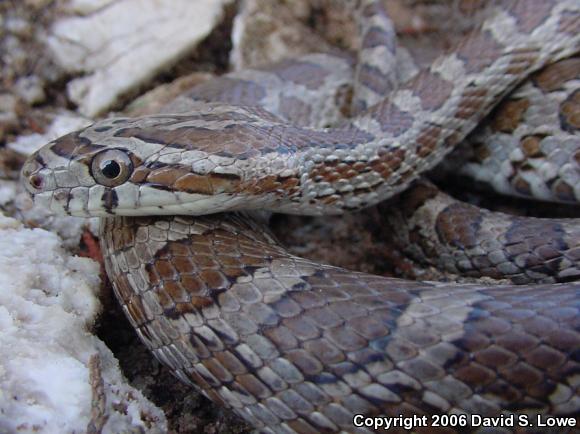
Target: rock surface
{"type": "Point", "coordinates": [119, 45]}
{"type": "Point", "coordinates": [48, 303]}
{"type": "Point", "coordinates": [57, 375]}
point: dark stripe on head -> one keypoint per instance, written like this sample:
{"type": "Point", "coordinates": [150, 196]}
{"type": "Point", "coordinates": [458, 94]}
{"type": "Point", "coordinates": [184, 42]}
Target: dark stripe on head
{"type": "Point", "coordinates": [38, 158]}
{"type": "Point", "coordinates": [67, 145]}
{"type": "Point", "coordinates": [110, 200]}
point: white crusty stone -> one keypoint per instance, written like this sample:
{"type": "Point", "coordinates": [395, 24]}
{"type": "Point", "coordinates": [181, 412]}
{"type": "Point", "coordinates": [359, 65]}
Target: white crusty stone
{"type": "Point", "coordinates": [63, 123]}
{"type": "Point", "coordinates": [48, 304]}
{"type": "Point", "coordinates": [125, 43]}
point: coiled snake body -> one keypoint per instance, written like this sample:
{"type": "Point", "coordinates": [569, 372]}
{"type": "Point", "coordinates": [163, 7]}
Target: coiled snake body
{"type": "Point", "coordinates": [296, 346]}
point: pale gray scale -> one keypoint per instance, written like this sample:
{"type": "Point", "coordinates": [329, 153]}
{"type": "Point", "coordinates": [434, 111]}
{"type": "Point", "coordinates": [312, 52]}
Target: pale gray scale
{"type": "Point", "coordinates": [276, 91]}
{"type": "Point", "coordinates": [434, 228]}
{"type": "Point", "coordinates": [462, 14]}
{"type": "Point", "coordinates": [65, 178]}
{"type": "Point", "coordinates": [413, 347]}
{"type": "Point", "coordinates": [502, 161]}
{"type": "Point", "coordinates": [411, 98]}
{"type": "Point", "coordinates": [376, 72]}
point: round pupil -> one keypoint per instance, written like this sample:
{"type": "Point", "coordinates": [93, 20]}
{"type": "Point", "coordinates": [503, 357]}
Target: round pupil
{"type": "Point", "coordinates": [110, 169]}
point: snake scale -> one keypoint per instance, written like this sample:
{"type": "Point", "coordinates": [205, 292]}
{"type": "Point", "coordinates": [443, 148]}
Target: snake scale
{"type": "Point", "coordinates": [292, 345]}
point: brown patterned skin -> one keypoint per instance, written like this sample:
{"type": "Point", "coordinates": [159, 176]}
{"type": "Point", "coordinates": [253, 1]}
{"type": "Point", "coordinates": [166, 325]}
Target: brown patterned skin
{"type": "Point", "coordinates": [531, 145]}
{"type": "Point", "coordinates": [466, 240]}
{"type": "Point", "coordinates": [295, 346]}
{"type": "Point", "coordinates": [325, 170]}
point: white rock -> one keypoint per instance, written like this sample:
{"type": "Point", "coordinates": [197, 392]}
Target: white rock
{"type": "Point", "coordinates": [125, 43]}
{"type": "Point", "coordinates": [47, 307]}
{"type": "Point", "coordinates": [64, 123]}
{"type": "Point", "coordinates": [30, 89]}
{"type": "Point", "coordinates": [7, 192]}
{"type": "Point", "coordinates": [87, 6]}
{"type": "Point", "coordinates": [266, 31]}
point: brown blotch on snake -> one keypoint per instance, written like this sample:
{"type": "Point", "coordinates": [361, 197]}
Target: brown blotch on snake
{"type": "Point", "coordinates": [67, 145]}
{"type": "Point", "coordinates": [554, 76]}
{"type": "Point", "coordinates": [509, 116]}
{"type": "Point", "coordinates": [304, 73]}
{"type": "Point", "coordinates": [269, 338]}
{"type": "Point", "coordinates": [463, 238]}
{"type": "Point", "coordinates": [432, 89]}
{"type": "Point", "coordinates": [532, 13]}
{"type": "Point", "coordinates": [398, 122]}
{"type": "Point", "coordinates": [227, 89]}
{"type": "Point", "coordinates": [372, 77]}
{"type": "Point", "coordinates": [478, 51]}
{"type": "Point", "coordinates": [570, 113]}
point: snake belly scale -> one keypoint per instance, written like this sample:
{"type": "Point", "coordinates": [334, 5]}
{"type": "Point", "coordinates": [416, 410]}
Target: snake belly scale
{"type": "Point", "coordinates": [289, 344]}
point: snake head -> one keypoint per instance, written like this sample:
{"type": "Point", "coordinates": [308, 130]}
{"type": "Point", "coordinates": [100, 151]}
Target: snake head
{"type": "Point", "coordinates": [195, 163]}
{"type": "Point", "coordinates": [78, 174]}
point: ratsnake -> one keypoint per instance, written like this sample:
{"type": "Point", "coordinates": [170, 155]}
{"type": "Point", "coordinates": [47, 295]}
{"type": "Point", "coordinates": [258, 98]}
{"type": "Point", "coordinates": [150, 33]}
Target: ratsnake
{"type": "Point", "coordinates": [296, 346]}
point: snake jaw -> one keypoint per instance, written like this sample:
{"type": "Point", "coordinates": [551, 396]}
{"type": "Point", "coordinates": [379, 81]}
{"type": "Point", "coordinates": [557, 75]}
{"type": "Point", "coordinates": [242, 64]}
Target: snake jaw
{"type": "Point", "coordinates": [69, 188]}
{"type": "Point", "coordinates": [54, 182]}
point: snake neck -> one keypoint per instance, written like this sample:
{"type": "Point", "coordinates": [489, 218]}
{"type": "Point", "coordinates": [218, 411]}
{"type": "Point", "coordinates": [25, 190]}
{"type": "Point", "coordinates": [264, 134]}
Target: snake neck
{"type": "Point", "coordinates": [190, 262]}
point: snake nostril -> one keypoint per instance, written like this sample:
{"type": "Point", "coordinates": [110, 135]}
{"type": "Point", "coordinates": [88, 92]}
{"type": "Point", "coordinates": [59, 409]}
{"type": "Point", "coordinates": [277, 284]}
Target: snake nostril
{"type": "Point", "coordinates": [35, 181]}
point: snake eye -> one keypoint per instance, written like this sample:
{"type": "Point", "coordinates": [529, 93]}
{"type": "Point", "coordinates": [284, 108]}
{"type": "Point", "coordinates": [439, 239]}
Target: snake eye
{"type": "Point", "coordinates": [111, 168]}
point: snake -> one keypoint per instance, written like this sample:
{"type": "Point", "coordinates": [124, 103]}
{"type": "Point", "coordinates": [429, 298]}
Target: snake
{"type": "Point", "coordinates": [529, 147]}
{"type": "Point", "coordinates": [292, 345]}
